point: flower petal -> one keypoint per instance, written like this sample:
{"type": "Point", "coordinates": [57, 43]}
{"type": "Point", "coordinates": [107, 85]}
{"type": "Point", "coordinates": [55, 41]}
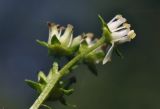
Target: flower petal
{"type": "Point", "coordinates": [119, 34]}
{"type": "Point", "coordinates": [127, 38]}
{"type": "Point", "coordinates": [116, 22]}
{"type": "Point", "coordinates": [53, 31]}
{"type": "Point", "coordinates": [89, 37]}
{"type": "Point", "coordinates": [125, 26]}
{"type": "Point", "coordinates": [109, 54]}
{"type": "Point", "coordinates": [76, 41]}
{"type": "Point", "coordinates": [66, 38]}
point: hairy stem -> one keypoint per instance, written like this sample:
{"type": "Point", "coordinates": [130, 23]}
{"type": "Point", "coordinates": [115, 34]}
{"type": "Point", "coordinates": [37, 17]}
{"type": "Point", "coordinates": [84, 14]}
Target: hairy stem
{"type": "Point", "coordinates": [57, 76]}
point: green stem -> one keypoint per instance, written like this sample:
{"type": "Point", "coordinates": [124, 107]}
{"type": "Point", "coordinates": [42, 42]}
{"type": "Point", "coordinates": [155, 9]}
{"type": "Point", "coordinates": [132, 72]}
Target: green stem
{"type": "Point", "coordinates": [57, 76]}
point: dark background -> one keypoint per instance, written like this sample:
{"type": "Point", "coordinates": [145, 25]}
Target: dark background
{"type": "Point", "coordinates": [131, 83]}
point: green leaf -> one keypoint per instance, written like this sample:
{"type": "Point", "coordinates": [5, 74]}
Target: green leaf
{"type": "Point", "coordinates": [55, 40]}
{"type": "Point", "coordinates": [42, 43]}
{"type": "Point", "coordinates": [42, 78]}
{"type": "Point", "coordinates": [34, 85]}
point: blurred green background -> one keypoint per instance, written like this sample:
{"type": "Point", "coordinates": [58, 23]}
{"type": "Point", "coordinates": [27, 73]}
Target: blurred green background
{"type": "Point", "coordinates": [129, 83]}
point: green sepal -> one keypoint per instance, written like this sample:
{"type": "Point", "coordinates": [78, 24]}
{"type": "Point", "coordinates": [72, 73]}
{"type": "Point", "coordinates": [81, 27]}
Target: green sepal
{"type": "Point", "coordinates": [106, 31]}
{"type": "Point", "coordinates": [102, 22]}
{"type": "Point", "coordinates": [59, 50]}
{"type": "Point", "coordinates": [75, 48]}
{"type": "Point", "coordinates": [94, 56]}
{"type": "Point", "coordinates": [42, 78]}
{"type": "Point", "coordinates": [42, 43]}
{"type": "Point", "coordinates": [55, 40]}
{"type": "Point", "coordinates": [83, 46]}
{"type": "Point", "coordinates": [35, 85]}
{"type": "Point", "coordinates": [53, 70]}
{"type": "Point", "coordinates": [67, 92]}
{"type": "Point", "coordinates": [90, 60]}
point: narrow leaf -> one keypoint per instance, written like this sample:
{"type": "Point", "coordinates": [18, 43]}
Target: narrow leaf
{"type": "Point", "coordinates": [42, 43]}
{"type": "Point", "coordinates": [102, 21]}
{"type": "Point", "coordinates": [42, 78]}
{"type": "Point", "coordinates": [34, 85]}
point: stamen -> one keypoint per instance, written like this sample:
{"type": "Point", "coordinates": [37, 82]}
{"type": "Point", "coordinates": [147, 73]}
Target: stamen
{"type": "Point", "coordinates": [115, 18]}
{"type": "Point", "coordinates": [125, 26]}
{"type": "Point", "coordinates": [120, 34]}
{"type": "Point", "coordinates": [131, 34]}
{"type": "Point", "coordinates": [116, 24]}
{"type": "Point", "coordinates": [118, 16]}
{"type": "Point", "coordinates": [89, 38]}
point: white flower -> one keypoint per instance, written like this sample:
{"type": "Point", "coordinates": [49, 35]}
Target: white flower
{"type": "Point", "coordinates": [63, 35]}
{"type": "Point", "coordinates": [97, 54]}
{"type": "Point", "coordinates": [56, 31]}
{"type": "Point", "coordinates": [120, 33]}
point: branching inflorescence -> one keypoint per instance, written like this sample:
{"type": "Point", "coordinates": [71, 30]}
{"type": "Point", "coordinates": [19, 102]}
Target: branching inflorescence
{"type": "Point", "coordinates": [81, 49]}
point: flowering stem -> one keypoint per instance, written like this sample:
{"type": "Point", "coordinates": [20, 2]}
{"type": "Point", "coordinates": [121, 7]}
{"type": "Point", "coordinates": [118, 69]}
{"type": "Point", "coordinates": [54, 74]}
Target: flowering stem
{"type": "Point", "coordinates": [57, 76]}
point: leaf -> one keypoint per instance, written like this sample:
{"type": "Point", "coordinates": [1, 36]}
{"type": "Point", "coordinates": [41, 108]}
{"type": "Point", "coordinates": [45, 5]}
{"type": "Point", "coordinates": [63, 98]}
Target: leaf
{"type": "Point", "coordinates": [108, 56]}
{"type": "Point", "coordinates": [42, 78]}
{"type": "Point", "coordinates": [34, 85]}
{"type": "Point", "coordinates": [55, 40]}
{"type": "Point", "coordinates": [42, 43]}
